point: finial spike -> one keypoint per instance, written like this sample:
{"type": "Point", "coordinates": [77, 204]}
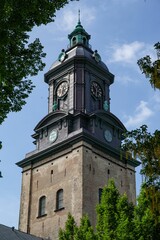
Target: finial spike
{"type": "Point", "coordinates": [79, 21]}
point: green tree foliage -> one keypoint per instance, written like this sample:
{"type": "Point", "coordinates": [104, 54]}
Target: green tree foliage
{"type": "Point", "coordinates": [85, 230]}
{"type": "Point", "coordinates": [72, 231]}
{"type": "Point", "coordinates": [106, 212]}
{"type": "Point", "coordinates": [125, 213]}
{"type": "Point", "coordinates": [117, 219]}
{"type": "Point", "coordinates": [144, 219]}
{"type": "Point", "coordinates": [20, 59]}
{"type": "Point", "coordinates": [114, 215]}
{"type": "Point", "coordinates": [151, 69]}
{"type": "Point", "coordinates": [146, 147]}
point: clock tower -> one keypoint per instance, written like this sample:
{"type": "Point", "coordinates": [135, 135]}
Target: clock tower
{"type": "Point", "coordinates": [77, 144]}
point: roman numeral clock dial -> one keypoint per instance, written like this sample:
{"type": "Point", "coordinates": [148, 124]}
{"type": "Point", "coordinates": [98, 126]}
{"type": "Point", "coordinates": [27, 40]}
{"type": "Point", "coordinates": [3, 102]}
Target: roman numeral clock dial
{"type": "Point", "coordinates": [96, 90]}
{"type": "Point", "coordinates": [62, 89]}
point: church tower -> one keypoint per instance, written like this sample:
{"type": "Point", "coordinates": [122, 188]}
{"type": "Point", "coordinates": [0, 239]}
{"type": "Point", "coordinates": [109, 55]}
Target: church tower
{"type": "Point", "coordinates": [77, 144]}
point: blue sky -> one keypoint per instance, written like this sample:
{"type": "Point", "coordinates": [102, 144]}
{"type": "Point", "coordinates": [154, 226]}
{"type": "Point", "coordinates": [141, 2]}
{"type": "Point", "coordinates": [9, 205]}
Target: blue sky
{"type": "Point", "coordinates": [122, 31]}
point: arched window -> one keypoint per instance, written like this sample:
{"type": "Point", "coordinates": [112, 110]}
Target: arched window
{"type": "Point", "coordinates": [74, 41]}
{"type": "Point", "coordinates": [84, 40]}
{"type": "Point", "coordinates": [42, 206]}
{"type": "Point", "coordinates": [59, 199]}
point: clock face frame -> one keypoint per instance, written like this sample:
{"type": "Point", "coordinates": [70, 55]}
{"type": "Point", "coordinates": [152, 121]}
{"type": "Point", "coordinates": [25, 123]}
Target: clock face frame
{"type": "Point", "coordinates": [96, 90]}
{"type": "Point", "coordinates": [62, 57]}
{"type": "Point", "coordinates": [108, 135]}
{"type": "Point", "coordinates": [97, 57]}
{"type": "Point", "coordinates": [62, 89]}
{"type": "Point", "coordinates": [53, 136]}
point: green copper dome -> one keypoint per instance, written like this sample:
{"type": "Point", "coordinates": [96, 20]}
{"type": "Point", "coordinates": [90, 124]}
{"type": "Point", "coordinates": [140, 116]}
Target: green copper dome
{"type": "Point", "coordinates": [79, 35]}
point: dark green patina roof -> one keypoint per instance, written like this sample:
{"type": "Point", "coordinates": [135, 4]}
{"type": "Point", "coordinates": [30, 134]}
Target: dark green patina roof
{"type": "Point", "coordinates": [79, 35]}
{"type": "Point", "coordinates": [79, 30]}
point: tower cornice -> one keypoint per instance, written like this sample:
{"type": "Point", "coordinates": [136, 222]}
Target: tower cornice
{"type": "Point", "coordinates": [82, 137]}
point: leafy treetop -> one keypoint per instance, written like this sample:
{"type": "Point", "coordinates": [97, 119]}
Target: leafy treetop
{"type": "Point", "coordinates": [146, 147]}
{"type": "Point", "coordinates": [20, 59]}
{"type": "Point", "coordinates": [151, 69]}
{"type": "Point", "coordinates": [117, 219]}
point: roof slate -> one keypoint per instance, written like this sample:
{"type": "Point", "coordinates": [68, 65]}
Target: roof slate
{"type": "Point", "coordinates": [10, 233]}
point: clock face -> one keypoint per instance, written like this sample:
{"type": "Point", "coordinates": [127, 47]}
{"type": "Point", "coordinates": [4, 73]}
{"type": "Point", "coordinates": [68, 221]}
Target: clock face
{"type": "Point", "coordinates": [97, 57]}
{"type": "Point", "coordinates": [62, 89]}
{"type": "Point", "coordinates": [62, 57]}
{"type": "Point", "coordinates": [96, 90]}
{"type": "Point", "coordinates": [108, 135]}
{"type": "Point", "coordinates": [53, 135]}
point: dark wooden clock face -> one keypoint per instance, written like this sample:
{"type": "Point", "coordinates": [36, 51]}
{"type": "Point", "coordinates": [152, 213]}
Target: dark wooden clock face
{"type": "Point", "coordinates": [96, 90]}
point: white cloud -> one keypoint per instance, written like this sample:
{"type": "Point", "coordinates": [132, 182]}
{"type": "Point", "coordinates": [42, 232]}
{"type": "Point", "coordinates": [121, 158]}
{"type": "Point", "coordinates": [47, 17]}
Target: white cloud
{"type": "Point", "coordinates": [131, 52]}
{"type": "Point", "coordinates": [113, 3]}
{"type": "Point", "coordinates": [126, 52]}
{"type": "Point", "coordinates": [68, 18]}
{"type": "Point", "coordinates": [141, 114]}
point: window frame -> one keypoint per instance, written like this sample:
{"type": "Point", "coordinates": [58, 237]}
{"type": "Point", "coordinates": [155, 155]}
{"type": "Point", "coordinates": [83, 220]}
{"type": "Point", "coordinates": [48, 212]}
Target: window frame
{"type": "Point", "coordinates": [74, 41]}
{"type": "Point", "coordinates": [42, 206]}
{"type": "Point", "coordinates": [59, 200]}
